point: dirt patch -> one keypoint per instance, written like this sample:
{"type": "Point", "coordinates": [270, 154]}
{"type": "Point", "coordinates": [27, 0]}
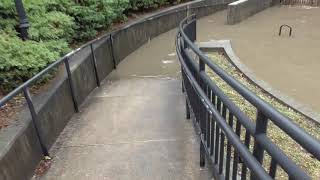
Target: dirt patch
{"type": "Point", "coordinates": [42, 168]}
{"type": "Point", "coordinates": [8, 111]}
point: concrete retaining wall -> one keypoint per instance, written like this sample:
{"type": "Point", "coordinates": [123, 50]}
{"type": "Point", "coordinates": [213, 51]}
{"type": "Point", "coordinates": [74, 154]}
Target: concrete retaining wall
{"type": "Point", "coordinates": [242, 9]}
{"type": "Point", "coordinates": [20, 151]}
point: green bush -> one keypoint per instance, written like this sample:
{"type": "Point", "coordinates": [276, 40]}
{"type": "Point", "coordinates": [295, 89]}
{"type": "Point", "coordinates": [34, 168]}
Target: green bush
{"type": "Point", "coordinates": [20, 60]}
{"type": "Point", "coordinates": [146, 4]}
{"type": "Point", "coordinates": [92, 16]}
{"type": "Point", "coordinates": [55, 25]}
{"type": "Point", "coordinates": [49, 34]}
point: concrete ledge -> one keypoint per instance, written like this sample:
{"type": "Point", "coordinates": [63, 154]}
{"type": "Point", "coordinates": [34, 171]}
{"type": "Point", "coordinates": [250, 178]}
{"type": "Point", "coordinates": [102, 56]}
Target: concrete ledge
{"type": "Point", "coordinates": [20, 151]}
{"type": "Point", "coordinates": [242, 9]}
{"type": "Point", "coordinates": [225, 47]}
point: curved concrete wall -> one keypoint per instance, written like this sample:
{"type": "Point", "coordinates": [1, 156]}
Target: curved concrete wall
{"type": "Point", "coordinates": [242, 9]}
{"type": "Point", "coordinates": [20, 151]}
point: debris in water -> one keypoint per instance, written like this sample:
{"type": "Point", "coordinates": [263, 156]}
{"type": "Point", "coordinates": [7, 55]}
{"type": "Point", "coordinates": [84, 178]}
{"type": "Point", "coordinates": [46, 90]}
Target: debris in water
{"type": "Point", "coordinates": [167, 61]}
{"type": "Point", "coordinates": [43, 167]}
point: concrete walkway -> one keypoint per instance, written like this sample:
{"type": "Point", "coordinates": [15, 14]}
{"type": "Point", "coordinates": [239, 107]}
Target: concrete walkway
{"type": "Point", "coordinates": [134, 126]}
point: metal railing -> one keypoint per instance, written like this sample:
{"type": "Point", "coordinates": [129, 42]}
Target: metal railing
{"type": "Point", "coordinates": [220, 122]}
{"type": "Point", "coordinates": [24, 88]}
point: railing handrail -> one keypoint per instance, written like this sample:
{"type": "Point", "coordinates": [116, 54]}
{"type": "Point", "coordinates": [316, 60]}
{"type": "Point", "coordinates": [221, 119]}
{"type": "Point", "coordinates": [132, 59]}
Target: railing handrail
{"type": "Point", "coordinates": [26, 84]}
{"type": "Point", "coordinates": [244, 152]}
{"type": "Point", "coordinates": [298, 134]}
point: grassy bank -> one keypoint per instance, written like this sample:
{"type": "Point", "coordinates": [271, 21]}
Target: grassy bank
{"type": "Point", "coordinates": [310, 164]}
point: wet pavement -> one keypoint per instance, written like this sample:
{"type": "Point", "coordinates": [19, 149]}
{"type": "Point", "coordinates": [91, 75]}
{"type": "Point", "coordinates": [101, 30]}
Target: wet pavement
{"type": "Point", "coordinates": [134, 126]}
{"type": "Point", "coordinates": [289, 64]}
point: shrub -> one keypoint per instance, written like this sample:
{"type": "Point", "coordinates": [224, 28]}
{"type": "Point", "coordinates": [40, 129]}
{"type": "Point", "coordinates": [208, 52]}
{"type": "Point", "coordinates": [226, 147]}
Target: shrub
{"type": "Point", "coordinates": [146, 4]}
{"type": "Point", "coordinates": [50, 33]}
{"type": "Point", "coordinates": [94, 15]}
{"type": "Point", "coordinates": [20, 60]}
{"type": "Point", "coordinates": [55, 24]}
{"type": "Point", "coordinates": [51, 26]}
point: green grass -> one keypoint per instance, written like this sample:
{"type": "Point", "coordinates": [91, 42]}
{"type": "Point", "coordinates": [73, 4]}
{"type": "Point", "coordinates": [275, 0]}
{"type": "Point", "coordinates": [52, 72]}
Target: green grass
{"type": "Point", "coordinates": [294, 151]}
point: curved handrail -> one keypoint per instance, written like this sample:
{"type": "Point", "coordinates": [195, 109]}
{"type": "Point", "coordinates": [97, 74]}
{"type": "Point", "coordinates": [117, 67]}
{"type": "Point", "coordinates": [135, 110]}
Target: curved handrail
{"type": "Point", "coordinates": [26, 84]}
{"type": "Point", "coordinates": [244, 152]}
{"type": "Point", "coordinates": [304, 139]}
{"type": "Point", "coordinates": [308, 142]}
{"type": "Point", "coordinates": [24, 87]}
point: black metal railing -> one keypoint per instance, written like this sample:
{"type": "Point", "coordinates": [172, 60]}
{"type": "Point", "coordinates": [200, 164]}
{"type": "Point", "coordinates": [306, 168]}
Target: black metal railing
{"type": "Point", "coordinates": [24, 88]}
{"type": "Point", "coordinates": [220, 122]}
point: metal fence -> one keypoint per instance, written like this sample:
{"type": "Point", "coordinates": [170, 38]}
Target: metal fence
{"type": "Point", "coordinates": [220, 122]}
{"type": "Point", "coordinates": [122, 42]}
{"type": "Point", "coordinates": [24, 88]}
{"type": "Point", "coordinates": [301, 2]}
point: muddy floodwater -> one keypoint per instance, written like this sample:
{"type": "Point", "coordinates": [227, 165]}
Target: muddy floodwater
{"type": "Point", "coordinates": [155, 59]}
{"type": "Point", "coordinates": [288, 64]}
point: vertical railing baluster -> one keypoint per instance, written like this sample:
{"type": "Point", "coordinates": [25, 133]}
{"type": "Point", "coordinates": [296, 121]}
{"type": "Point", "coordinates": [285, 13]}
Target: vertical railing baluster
{"type": "Point", "coordinates": [75, 103]}
{"type": "Point", "coordinates": [219, 105]}
{"type": "Point", "coordinates": [182, 85]}
{"type": "Point", "coordinates": [112, 52]}
{"type": "Point", "coordinates": [216, 152]}
{"type": "Point", "coordinates": [247, 144]}
{"type": "Point", "coordinates": [213, 97]}
{"type": "Point", "coordinates": [235, 155]}
{"type": "Point", "coordinates": [261, 128]}
{"type": "Point", "coordinates": [34, 118]}
{"type": "Point", "coordinates": [228, 164]}
{"type": "Point", "coordinates": [94, 62]}
{"type": "Point", "coordinates": [202, 115]}
{"type": "Point", "coordinates": [273, 168]}
{"type": "Point", "coordinates": [208, 121]}
{"type": "Point", "coordinates": [235, 165]}
{"type": "Point", "coordinates": [187, 110]}
{"type": "Point", "coordinates": [224, 115]}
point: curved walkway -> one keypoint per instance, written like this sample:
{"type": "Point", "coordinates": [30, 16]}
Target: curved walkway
{"type": "Point", "coordinates": [134, 126]}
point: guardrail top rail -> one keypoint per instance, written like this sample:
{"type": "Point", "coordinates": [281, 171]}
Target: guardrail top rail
{"type": "Point", "coordinates": [215, 115]}
{"type": "Point", "coordinates": [24, 88]}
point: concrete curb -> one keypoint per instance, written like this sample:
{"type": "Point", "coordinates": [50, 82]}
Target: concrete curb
{"type": "Point", "coordinates": [225, 47]}
{"type": "Point", "coordinates": [242, 9]}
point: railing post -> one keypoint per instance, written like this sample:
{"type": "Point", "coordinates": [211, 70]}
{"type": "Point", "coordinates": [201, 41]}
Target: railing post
{"type": "Point", "coordinates": [34, 118]}
{"type": "Point", "coordinates": [202, 120]}
{"type": "Point", "coordinates": [112, 52]}
{"type": "Point", "coordinates": [94, 62]}
{"type": "Point", "coordinates": [261, 128]}
{"type": "Point", "coordinates": [187, 110]}
{"type": "Point", "coordinates": [75, 103]}
{"type": "Point", "coordinates": [182, 84]}
{"type": "Point", "coordinates": [191, 30]}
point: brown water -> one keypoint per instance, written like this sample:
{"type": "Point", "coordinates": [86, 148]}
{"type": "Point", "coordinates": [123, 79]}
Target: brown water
{"type": "Point", "coordinates": [289, 64]}
{"type": "Point", "coordinates": [156, 58]}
